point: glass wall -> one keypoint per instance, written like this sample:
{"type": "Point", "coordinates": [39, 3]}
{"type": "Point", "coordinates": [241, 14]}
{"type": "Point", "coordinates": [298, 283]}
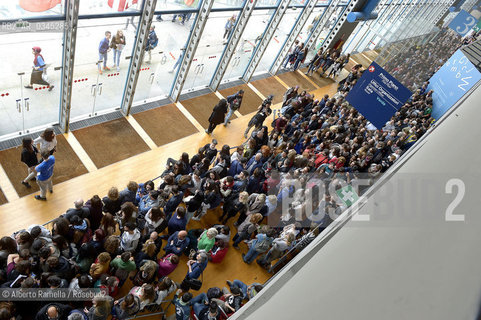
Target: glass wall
{"type": "Point", "coordinates": [26, 101]}
{"type": "Point", "coordinates": [253, 32]}
{"type": "Point", "coordinates": [99, 86]}
{"type": "Point", "coordinates": [325, 31]}
{"type": "Point", "coordinates": [210, 48]}
{"type": "Point", "coordinates": [156, 77]}
{"type": "Point", "coordinates": [113, 6]}
{"type": "Point", "coordinates": [280, 36]}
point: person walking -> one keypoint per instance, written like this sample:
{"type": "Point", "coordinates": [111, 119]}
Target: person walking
{"type": "Point", "coordinates": [152, 42]}
{"type": "Point", "coordinates": [104, 48]}
{"type": "Point", "coordinates": [39, 71]}
{"type": "Point", "coordinates": [263, 112]}
{"type": "Point", "coordinates": [117, 44]}
{"type": "Point", "coordinates": [217, 116]}
{"type": "Point", "coordinates": [179, 60]}
{"type": "Point", "coordinates": [44, 175]}
{"type": "Point", "coordinates": [29, 157]}
{"type": "Point", "coordinates": [234, 101]}
{"type": "Point", "coordinates": [229, 25]}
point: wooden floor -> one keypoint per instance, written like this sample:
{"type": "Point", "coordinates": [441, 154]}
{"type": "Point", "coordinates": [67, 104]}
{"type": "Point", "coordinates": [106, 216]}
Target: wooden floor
{"type": "Point", "coordinates": [3, 199]}
{"type": "Point", "coordinates": [116, 152]}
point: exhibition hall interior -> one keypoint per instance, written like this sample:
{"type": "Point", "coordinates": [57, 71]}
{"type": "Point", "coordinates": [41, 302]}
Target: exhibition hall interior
{"type": "Point", "coordinates": [240, 159]}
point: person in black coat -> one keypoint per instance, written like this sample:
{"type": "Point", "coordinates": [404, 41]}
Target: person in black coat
{"type": "Point", "coordinates": [217, 116]}
{"type": "Point", "coordinates": [29, 157]}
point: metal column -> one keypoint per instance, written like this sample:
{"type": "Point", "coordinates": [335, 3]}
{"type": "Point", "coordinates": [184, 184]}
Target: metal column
{"type": "Point", "coordinates": [68, 59]}
{"type": "Point", "coordinates": [138, 54]}
{"type": "Point", "coordinates": [323, 22]}
{"type": "Point", "coordinates": [296, 30]}
{"type": "Point", "coordinates": [342, 19]}
{"type": "Point", "coordinates": [194, 38]}
{"type": "Point", "coordinates": [443, 12]}
{"type": "Point", "coordinates": [266, 38]}
{"type": "Point", "coordinates": [232, 44]}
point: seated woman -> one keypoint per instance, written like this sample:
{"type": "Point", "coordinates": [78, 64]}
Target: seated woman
{"type": "Point", "coordinates": [167, 264]}
{"type": "Point", "coordinates": [212, 199]}
{"type": "Point", "coordinates": [154, 220]}
{"type": "Point", "coordinates": [207, 239]}
{"type": "Point", "coordinates": [196, 267]}
{"type": "Point", "coordinates": [126, 307]}
{"type": "Point", "coordinates": [164, 288]}
{"type": "Point", "coordinates": [145, 293]}
{"type": "Point", "coordinates": [148, 252]}
{"type": "Point", "coordinates": [144, 189]}
{"type": "Point", "coordinates": [218, 251]}
{"type": "Point", "coordinates": [146, 273]}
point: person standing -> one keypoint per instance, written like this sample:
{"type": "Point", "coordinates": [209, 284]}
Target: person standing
{"type": "Point", "coordinates": [44, 175]}
{"type": "Point", "coordinates": [229, 25]}
{"type": "Point", "coordinates": [47, 141]}
{"type": "Point", "coordinates": [104, 48]}
{"type": "Point", "coordinates": [152, 42]}
{"type": "Point", "coordinates": [217, 116]}
{"type": "Point", "coordinates": [118, 44]}
{"type": "Point", "coordinates": [29, 157]}
{"type": "Point", "coordinates": [301, 56]}
{"type": "Point", "coordinates": [39, 71]}
{"type": "Point", "coordinates": [179, 60]}
{"type": "Point", "coordinates": [234, 101]}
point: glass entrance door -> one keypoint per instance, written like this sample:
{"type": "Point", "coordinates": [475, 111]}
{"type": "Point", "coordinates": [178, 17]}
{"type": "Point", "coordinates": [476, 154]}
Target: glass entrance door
{"type": "Point", "coordinates": [26, 103]}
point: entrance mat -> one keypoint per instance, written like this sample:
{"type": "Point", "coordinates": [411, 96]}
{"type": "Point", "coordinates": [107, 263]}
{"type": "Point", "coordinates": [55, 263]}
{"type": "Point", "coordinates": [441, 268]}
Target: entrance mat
{"type": "Point", "coordinates": [270, 86]}
{"type": "Point", "coordinates": [110, 142]}
{"type": "Point", "coordinates": [201, 107]}
{"type": "Point", "coordinates": [250, 102]}
{"type": "Point", "coordinates": [67, 166]}
{"type": "Point", "coordinates": [165, 124]}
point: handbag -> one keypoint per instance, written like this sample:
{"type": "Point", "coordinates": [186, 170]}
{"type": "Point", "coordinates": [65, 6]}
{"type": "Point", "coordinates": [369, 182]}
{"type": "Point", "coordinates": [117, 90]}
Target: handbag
{"type": "Point", "coordinates": [194, 284]}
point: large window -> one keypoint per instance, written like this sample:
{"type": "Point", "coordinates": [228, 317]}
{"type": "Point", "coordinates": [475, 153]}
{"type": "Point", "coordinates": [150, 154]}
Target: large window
{"type": "Point", "coordinates": [155, 78]}
{"type": "Point", "coordinates": [23, 107]}
{"type": "Point", "coordinates": [209, 51]}
{"type": "Point", "coordinates": [253, 32]}
{"type": "Point", "coordinates": [96, 88]}
{"type": "Point", "coordinates": [279, 38]}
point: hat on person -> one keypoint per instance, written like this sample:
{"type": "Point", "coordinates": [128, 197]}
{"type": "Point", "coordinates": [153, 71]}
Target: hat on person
{"type": "Point", "coordinates": [214, 141]}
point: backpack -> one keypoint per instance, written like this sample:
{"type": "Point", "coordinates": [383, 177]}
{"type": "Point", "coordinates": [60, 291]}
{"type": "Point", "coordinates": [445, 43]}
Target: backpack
{"type": "Point", "coordinates": [262, 245]}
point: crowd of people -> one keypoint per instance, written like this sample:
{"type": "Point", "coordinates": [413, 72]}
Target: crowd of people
{"type": "Point", "coordinates": [416, 63]}
{"type": "Point", "coordinates": [271, 186]}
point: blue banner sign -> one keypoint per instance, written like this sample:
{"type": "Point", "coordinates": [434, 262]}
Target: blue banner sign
{"type": "Point", "coordinates": [377, 95]}
{"type": "Point", "coordinates": [451, 82]}
{"type": "Point", "coordinates": [462, 23]}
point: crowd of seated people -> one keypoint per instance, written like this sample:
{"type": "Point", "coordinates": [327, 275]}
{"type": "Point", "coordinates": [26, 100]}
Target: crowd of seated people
{"type": "Point", "coordinates": [137, 236]}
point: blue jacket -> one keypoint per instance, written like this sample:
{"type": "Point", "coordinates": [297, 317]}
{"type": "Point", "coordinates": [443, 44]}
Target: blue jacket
{"type": "Point", "coordinates": [45, 169]}
{"type": "Point", "coordinates": [235, 168]}
{"type": "Point", "coordinates": [104, 45]}
{"type": "Point", "coordinates": [178, 246]}
{"type": "Point", "coordinates": [152, 41]}
{"type": "Point", "coordinates": [250, 162]}
{"type": "Point", "coordinates": [197, 269]}
{"type": "Point", "coordinates": [175, 224]}
{"type": "Point", "coordinates": [173, 203]}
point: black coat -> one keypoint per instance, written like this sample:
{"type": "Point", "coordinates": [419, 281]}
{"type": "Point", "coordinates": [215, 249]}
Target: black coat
{"type": "Point", "coordinates": [218, 114]}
